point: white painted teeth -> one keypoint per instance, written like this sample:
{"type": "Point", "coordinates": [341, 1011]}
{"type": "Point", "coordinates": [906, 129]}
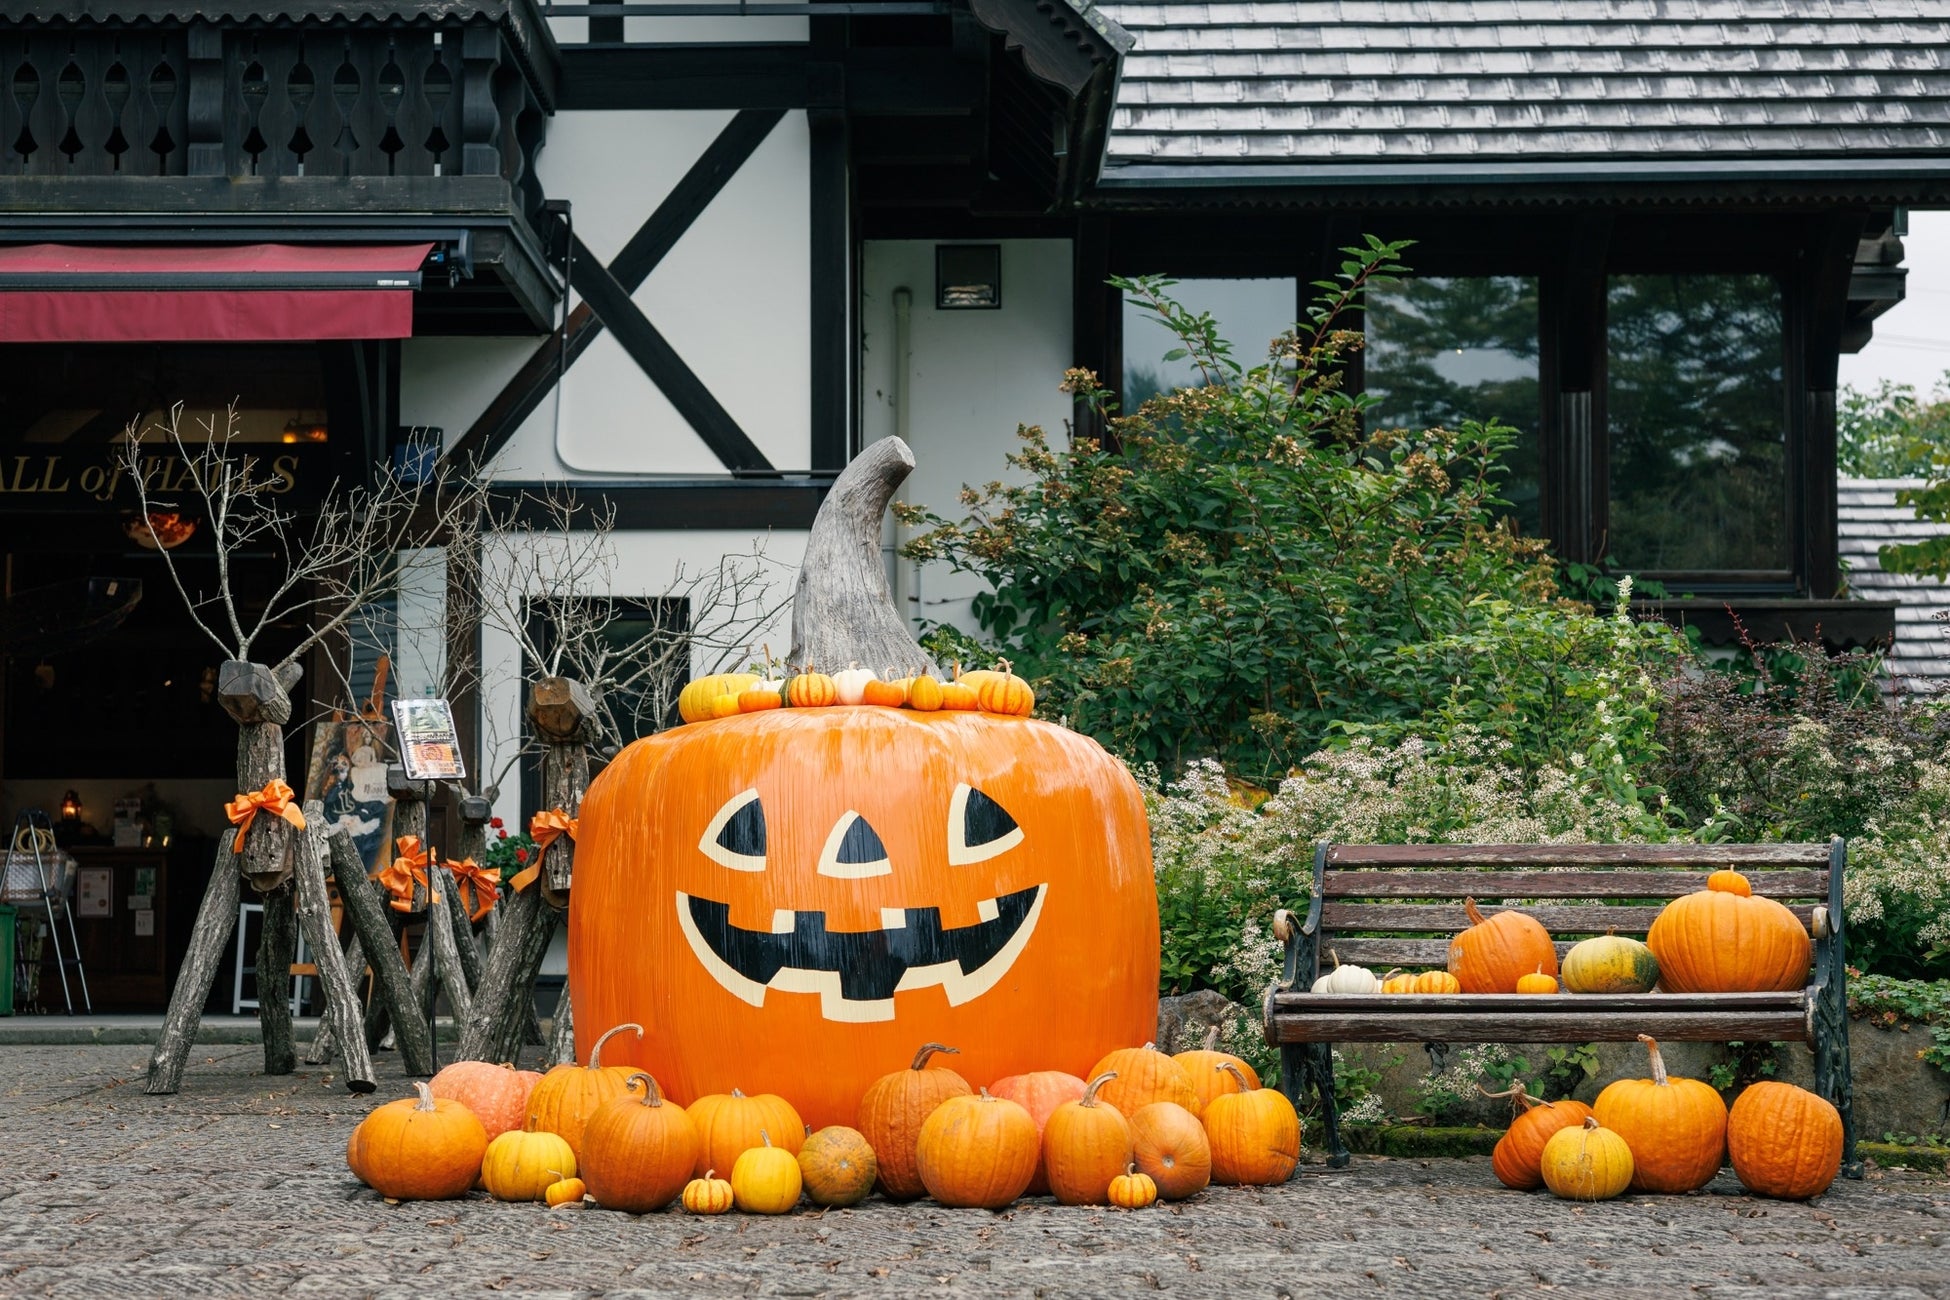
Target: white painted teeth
{"type": "Point", "coordinates": [893, 918]}
{"type": "Point", "coordinates": [988, 910]}
{"type": "Point", "coordinates": [783, 920]}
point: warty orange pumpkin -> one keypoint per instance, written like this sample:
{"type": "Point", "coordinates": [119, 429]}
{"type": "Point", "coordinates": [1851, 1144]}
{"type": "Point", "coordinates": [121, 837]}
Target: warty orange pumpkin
{"type": "Point", "coordinates": [1677, 1128]}
{"type": "Point", "coordinates": [893, 1109]}
{"type": "Point", "coordinates": [1784, 1141]}
{"type": "Point", "coordinates": [1722, 939]}
{"type": "Point", "coordinates": [838, 1166]}
{"type": "Point", "coordinates": [1496, 951]}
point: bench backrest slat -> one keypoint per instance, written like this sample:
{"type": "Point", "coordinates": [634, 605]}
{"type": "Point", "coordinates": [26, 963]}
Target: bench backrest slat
{"type": "Point", "coordinates": [1534, 857]}
{"type": "Point", "coordinates": [1448, 918]}
{"type": "Point", "coordinates": [1542, 883]}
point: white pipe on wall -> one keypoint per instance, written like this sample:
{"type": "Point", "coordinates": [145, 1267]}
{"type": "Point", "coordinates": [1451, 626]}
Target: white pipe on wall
{"type": "Point", "coordinates": [904, 577]}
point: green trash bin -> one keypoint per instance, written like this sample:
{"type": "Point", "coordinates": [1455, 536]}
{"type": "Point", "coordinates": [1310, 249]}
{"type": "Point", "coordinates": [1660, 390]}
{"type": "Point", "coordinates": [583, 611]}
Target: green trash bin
{"type": "Point", "coordinates": [7, 917]}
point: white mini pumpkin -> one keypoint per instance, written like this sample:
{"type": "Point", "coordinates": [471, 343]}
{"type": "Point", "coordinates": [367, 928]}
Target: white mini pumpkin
{"type": "Point", "coordinates": [852, 683]}
{"type": "Point", "coordinates": [1347, 979]}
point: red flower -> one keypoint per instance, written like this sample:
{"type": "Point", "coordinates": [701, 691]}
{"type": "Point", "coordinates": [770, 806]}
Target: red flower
{"type": "Point", "coordinates": [521, 855]}
{"type": "Point", "coordinates": [504, 835]}
{"type": "Point", "coordinates": [495, 822]}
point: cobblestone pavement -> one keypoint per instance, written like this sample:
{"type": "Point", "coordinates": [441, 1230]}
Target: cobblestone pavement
{"type": "Point", "coordinates": [238, 1186]}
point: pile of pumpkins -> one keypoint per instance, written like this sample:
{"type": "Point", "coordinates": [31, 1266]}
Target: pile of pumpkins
{"type": "Point", "coordinates": [724, 695]}
{"type": "Point", "coordinates": [1145, 1126]}
{"type": "Point", "coordinates": [1670, 1135]}
{"type": "Point", "coordinates": [1685, 951]}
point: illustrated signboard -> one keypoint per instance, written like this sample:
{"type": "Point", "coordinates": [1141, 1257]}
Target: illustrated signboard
{"type": "Point", "coordinates": [429, 744]}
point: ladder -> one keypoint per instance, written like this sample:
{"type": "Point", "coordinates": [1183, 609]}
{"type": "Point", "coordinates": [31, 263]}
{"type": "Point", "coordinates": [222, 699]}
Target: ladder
{"type": "Point", "coordinates": [34, 834]}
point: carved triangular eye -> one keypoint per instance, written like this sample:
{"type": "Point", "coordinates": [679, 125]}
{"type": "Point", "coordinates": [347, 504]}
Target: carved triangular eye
{"type": "Point", "coordinates": [736, 836]}
{"type": "Point", "coordinates": [854, 850]}
{"type": "Point", "coordinates": [979, 828]}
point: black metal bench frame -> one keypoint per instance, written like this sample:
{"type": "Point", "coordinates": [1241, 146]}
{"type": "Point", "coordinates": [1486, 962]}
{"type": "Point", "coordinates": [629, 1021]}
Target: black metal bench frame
{"type": "Point", "coordinates": [1361, 890]}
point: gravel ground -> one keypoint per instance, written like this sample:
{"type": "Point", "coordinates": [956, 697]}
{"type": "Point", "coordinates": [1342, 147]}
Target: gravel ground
{"type": "Point", "coordinates": [238, 1186]}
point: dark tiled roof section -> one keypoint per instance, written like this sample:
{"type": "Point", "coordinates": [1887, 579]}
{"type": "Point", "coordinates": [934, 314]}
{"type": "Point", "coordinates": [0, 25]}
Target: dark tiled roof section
{"type": "Point", "coordinates": [1868, 519]}
{"type": "Point", "coordinates": [1487, 81]}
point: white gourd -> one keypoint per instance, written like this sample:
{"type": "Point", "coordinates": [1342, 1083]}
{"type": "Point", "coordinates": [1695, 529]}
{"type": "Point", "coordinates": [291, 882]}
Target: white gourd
{"type": "Point", "coordinates": [1347, 979]}
{"type": "Point", "coordinates": [852, 683]}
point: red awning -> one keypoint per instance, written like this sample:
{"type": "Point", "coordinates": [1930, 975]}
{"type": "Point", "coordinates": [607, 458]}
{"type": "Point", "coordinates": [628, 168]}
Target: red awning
{"type": "Point", "coordinates": [131, 293]}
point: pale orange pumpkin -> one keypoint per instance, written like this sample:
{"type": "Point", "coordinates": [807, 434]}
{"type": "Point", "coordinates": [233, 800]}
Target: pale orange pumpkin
{"type": "Point", "coordinates": [422, 1148]}
{"type": "Point", "coordinates": [1255, 1136]}
{"type": "Point", "coordinates": [1437, 981]}
{"type": "Point", "coordinates": [1676, 1128]}
{"type": "Point", "coordinates": [976, 1152]}
{"type": "Point", "coordinates": [1086, 1143]}
{"type": "Point", "coordinates": [730, 1123]}
{"type": "Point", "coordinates": [1144, 1075]}
{"type": "Point", "coordinates": [1039, 1092]}
{"type": "Point", "coordinates": [892, 1111]}
{"type": "Point", "coordinates": [1495, 952]}
{"type": "Point", "coordinates": [497, 1094]}
{"type": "Point", "coordinates": [1517, 1159]}
{"type": "Point", "coordinates": [562, 1101]}
{"type": "Point", "coordinates": [1169, 1144]}
{"type": "Point", "coordinates": [1722, 939]}
{"type": "Point", "coordinates": [1784, 1141]}
{"type": "Point", "coordinates": [638, 1152]}
{"type": "Point", "coordinates": [811, 690]}
{"type": "Point", "coordinates": [1006, 693]}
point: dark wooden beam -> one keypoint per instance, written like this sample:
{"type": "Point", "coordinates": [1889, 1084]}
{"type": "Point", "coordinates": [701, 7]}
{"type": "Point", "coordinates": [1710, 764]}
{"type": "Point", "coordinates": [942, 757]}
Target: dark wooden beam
{"type": "Point", "coordinates": [668, 371]}
{"type": "Point", "coordinates": [1816, 323]}
{"type": "Point", "coordinates": [831, 286]}
{"type": "Point", "coordinates": [706, 503]}
{"type": "Point", "coordinates": [891, 81]}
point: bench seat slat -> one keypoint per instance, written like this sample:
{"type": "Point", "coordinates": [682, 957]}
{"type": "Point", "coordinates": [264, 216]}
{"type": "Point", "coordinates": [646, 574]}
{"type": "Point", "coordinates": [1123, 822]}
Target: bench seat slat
{"type": "Point", "coordinates": [1448, 918]}
{"type": "Point", "coordinates": [1339, 883]}
{"type": "Point", "coordinates": [1614, 1027]}
{"type": "Point", "coordinates": [1708, 857]}
{"type": "Point", "coordinates": [1563, 1004]}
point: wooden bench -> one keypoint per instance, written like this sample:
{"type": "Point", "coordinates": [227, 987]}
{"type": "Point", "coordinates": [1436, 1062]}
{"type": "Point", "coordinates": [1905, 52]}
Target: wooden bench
{"type": "Point", "coordinates": [1385, 905]}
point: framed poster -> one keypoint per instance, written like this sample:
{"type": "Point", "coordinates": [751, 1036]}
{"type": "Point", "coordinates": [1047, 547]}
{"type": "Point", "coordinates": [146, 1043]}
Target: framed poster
{"type": "Point", "coordinates": [429, 743]}
{"type": "Point", "coordinates": [94, 891]}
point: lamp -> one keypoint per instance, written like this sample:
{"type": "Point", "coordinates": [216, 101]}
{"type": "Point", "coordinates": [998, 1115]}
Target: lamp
{"type": "Point", "coordinates": [71, 808]}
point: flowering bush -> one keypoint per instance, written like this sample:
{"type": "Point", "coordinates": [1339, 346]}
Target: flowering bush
{"type": "Point", "coordinates": [508, 854]}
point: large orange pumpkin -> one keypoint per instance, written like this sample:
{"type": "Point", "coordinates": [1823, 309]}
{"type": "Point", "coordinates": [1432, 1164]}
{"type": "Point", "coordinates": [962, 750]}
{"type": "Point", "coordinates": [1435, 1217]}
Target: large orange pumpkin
{"type": "Point", "coordinates": [1039, 1092]}
{"type": "Point", "coordinates": [497, 1094]}
{"type": "Point", "coordinates": [1724, 940]}
{"type": "Point", "coordinates": [1492, 954]}
{"type": "Point", "coordinates": [562, 1101]}
{"type": "Point", "coordinates": [1784, 1141]}
{"type": "Point", "coordinates": [1677, 1128]}
{"type": "Point", "coordinates": [893, 1110]}
{"type": "Point", "coordinates": [795, 898]}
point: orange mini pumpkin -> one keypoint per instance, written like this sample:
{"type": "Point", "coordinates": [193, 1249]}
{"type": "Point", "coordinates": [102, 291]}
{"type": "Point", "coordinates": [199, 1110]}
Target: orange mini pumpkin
{"type": "Point", "coordinates": [1724, 940]}
{"type": "Point", "coordinates": [1537, 982]}
{"type": "Point", "coordinates": [1006, 693]}
{"type": "Point", "coordinates": [924, 694]}
{"type": "Point", "coordinates": [765, 695]}
{"type": "Point", "coordinates": [1517, 1160]}
{"type": "Point", "coordinates": [885, 693]}
{"type": "Point", "coordinates": [811, 690]}
{"type": "Point", "coordinates": [1398, 981]}
{"type": "Point", "coordinates": [1676, 1128]}
{"type": "Point", "coordinates": [1437, 981]}
{"type": "Point", "coordinates": [565, 1098]}
{"type": "Point", "coordinates": [959, 697]}
{"type": "Point", "coordinates": [893, 1110]}
{"type": "Point", "coordinates": [1497, 951]}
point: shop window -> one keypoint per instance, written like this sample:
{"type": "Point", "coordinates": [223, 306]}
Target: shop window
{"type": "Point", "coordinates": [82, 395]}
{"type": "Point", "coordinates": [1442, 350]}
{"type": "Point", "coordinates": [1696, 409]}
{"type": "Point", "coordinates": [1250, 315]}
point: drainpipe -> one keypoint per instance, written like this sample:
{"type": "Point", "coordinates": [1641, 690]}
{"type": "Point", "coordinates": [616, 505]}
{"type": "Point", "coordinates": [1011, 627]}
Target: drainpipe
{"type": "Point", "coordinates": [906, 577]}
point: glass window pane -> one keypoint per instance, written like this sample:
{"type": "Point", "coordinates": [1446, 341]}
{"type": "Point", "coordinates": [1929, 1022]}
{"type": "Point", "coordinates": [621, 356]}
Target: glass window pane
{"type": "Point", "coordinates": [1697, 415]}
{"type": "Point", "coordinates": [1443, 349]}
{"type": "Point", "coordinates": [1250, 313]}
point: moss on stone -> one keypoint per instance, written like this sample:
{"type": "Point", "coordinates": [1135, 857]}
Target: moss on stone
{"type": "Point", "coordinates": [1932, 1159]}
{"type": "Point", "coordinates": [1416, 1141]}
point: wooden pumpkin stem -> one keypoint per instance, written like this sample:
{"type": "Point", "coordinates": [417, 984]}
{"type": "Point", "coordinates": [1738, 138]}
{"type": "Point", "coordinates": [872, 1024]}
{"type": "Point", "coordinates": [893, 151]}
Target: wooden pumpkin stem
{"type": "Point", "coordinates": [1233, 1070]}
{"type": "Point", "coordinates": [1520, 1098]}
{"type": "Point", "coordinates": [1590, 1122]}
{"type": "Point", "coordinates": [1472, 911]}
{"type": "Point", "coordinates": [929, 1049]}
{"type": "Point", "coordinates": [1658, 1062]}
{"type": "Point", "coordinates": [652, 1094]}
{"type": "Point", "coordinates": [1212, 1039]}
{"type": "Point", "coordinates": [596, 1052]}
{"type": "Point", "coordinates": [1336, 958]}
{"type": "Point", "coordinates": [426, 1096]}
{"type": "Point", "coordinates": [1089, 1097]}
{"type": "Point", "coordinates": [765, 1137]}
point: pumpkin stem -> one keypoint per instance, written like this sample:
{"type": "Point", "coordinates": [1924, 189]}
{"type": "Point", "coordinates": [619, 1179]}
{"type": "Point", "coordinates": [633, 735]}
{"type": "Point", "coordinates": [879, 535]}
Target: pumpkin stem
{"type": "Point", "coordinates": [1002, 666]}
{"type": "Point", "coordinates": [765, 1137]}
{"type": "Point", "coordinates": [1590, 1122]}
{"type": "Point", "coordinates": [1089, 1097]}
{"type": "Point", "coordinates": [596, 1052]}
{"type": "Point", "coordinates": [426, 1096]}
{"type": "Point", "coordinates": [841, 607]}
{"type": "Point", "coordinates": [737, 1092]}
{"type": "Point", "coordinates": [1520, 1098]}
{"type": "Point", "coordinates": [1658, 1062]}
{"type": "Point", "coordinates": [1149, 1047]}
{"type": "Point", "coordinates": [1212, 1039]}
{"type": "Point", "coordinates": [709, 1174]}
{"type": "Point", "coordinates": [1337, 958]}
{"type": "Point", "coordinates": [1233, 1070]}
{"type": "Point", "coordinates": [929, 1049]}
{"type": "Point", "coordinates": [652, 1094]}
{"type": "Point", "coordinates": [1474, 914]}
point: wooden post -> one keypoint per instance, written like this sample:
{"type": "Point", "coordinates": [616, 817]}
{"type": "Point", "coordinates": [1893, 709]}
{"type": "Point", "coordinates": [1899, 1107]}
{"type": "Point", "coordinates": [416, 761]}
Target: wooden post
{"type": "Point", "coordinates": [436, 967]}
{"type": "Point", "coordinates": [277, 946]}
{"type": "Point", "coordinates": [563, 714]}
{"type": "Point", "coordinates": [562, 1030]}
{"type": "Point", "coordinates": [341, 999]}
{"type": "Point", "coordinates": [354, 962]}
{"type": "Point", "coordinates": [366, 911]}
{"type": "Point", "coordinates": [259, 699]}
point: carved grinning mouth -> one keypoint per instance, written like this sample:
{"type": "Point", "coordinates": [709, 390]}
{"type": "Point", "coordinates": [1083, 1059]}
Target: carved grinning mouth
{"type": "Point", "coordinates": [857, 973]}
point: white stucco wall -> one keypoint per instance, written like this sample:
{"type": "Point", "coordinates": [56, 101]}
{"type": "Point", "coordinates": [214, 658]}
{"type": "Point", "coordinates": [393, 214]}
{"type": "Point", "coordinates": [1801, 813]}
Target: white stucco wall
{"type": "Point", "coordinates": [975, 376]}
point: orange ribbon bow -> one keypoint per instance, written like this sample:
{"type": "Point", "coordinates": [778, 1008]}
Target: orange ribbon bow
{"type": "Point", "coordinates": [479, 886]}
{"type": "Point", "coordinates": [544, 828]}
{"type": "Point", "coordinates": [275, 798]}
{"type": "Point", "coordinates": [407, 870]}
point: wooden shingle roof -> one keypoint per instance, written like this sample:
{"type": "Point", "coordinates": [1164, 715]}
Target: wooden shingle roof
{"type": "Point", "coordinates": [1868, 518]}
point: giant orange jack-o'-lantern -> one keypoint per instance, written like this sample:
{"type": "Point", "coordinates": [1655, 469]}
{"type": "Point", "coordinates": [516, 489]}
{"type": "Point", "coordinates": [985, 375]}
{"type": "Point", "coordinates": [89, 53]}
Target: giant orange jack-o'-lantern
{"type": "Point", "coordinates": [789, 900]}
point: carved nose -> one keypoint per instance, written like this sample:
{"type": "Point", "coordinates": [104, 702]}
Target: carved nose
{"type": "Point", "coordinates": [854, 850]}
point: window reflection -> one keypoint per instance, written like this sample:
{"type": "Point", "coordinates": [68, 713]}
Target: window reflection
{"type": "Point", "coordinates": [1250, 314]}
{"type": "Point", "coordinates": [1696, 409]}
{"type": "Point", "coordinates": [1444, 349]}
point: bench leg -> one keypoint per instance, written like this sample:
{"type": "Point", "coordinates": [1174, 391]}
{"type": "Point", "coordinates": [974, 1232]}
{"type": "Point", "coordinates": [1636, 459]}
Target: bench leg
{"type": "Point", "coordinates": [1314, 1063]}
{"type": "Point", "coordinates": [1834, 1073]}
